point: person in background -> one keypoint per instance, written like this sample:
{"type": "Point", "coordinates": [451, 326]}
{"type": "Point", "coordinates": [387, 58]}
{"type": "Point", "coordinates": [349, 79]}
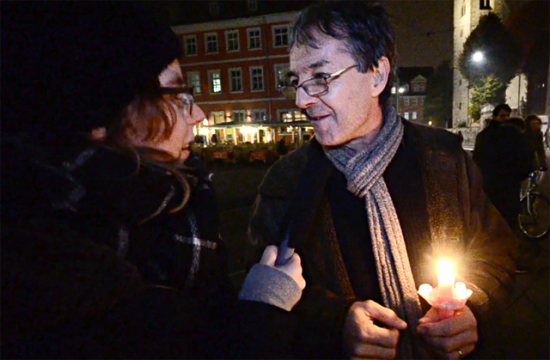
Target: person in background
{"type": "Point", "coordinates": [503, 156]}
{"type": "Point", "coordinates": [518, 123]}
{"type": "Point", "coordinates": [534, 137]}
{"type": "Point", "coordinates": [110, 233]}
{"type": "Point", "coordinates": [373, 200]}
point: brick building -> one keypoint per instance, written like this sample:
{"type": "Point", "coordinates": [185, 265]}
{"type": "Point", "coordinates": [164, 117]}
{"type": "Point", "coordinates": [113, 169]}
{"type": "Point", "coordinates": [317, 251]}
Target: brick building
{"type": "Point", "coordinates": [238, 68]}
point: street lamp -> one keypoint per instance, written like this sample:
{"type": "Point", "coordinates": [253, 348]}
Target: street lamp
{"type": "Point", "coordinates": [478, 57]}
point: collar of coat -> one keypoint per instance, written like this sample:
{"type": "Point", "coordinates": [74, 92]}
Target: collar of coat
{"type": "Point", "coordinates": [302, 175]}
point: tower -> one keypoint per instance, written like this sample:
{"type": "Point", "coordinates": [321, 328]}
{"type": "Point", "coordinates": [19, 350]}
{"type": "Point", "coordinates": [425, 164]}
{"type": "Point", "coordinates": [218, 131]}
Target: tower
{"type": "Point", "coordinates": [465, 19]}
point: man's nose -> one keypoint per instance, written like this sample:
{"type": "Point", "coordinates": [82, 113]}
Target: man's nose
{"type": "Point", "coordinates": [303, 100]}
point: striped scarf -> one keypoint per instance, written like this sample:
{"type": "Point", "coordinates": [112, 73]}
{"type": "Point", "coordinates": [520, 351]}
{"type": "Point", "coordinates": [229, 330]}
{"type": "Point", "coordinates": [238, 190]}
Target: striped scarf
{"type": "Point", "coordinates": [364, 171]}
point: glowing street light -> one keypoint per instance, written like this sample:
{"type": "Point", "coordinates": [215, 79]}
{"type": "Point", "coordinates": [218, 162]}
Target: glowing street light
{"type": "Point", "coordinates": [478, 57]}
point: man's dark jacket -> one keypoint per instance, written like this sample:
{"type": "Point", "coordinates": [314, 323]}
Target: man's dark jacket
{"type": "Point", "coordinates": [454, 219]}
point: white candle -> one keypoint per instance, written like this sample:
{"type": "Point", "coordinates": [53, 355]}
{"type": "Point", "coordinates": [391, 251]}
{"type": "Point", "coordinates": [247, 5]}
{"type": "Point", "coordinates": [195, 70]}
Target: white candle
{"type": "Point", "coordinates": [446, 280]}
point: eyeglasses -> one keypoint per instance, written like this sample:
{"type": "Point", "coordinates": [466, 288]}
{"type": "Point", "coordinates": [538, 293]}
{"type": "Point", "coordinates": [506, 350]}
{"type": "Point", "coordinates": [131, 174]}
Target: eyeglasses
{"type": "Point", "coordinates": [183, 94]}
{"type": "Point", "coordinates": [318, 85]}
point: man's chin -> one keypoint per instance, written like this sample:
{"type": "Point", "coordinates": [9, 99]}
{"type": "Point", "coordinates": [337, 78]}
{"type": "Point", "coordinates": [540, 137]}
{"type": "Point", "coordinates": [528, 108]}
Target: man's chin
{"type": "Point", "coordinates": [327, 140]}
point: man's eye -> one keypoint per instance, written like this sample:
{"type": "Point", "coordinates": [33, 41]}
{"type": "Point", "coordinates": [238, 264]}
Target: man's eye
{"type": "Point", "coordinates": [324, 76]}
{"type": "Point", "coordinates": [293, 82]}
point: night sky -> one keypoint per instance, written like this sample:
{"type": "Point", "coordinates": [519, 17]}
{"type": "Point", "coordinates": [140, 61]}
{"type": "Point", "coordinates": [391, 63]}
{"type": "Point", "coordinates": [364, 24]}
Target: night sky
{"type": "Point", "coordinates": [424, 30]}
{"type": "Point", "coordinates": [423, 27]}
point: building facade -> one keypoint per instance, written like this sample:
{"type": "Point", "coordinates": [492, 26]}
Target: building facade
{"type": "Point", "coordinates": [238, 68]}
{"type": "Point", "coordinates": [466, 17]}
{"type": "Point", "coordinates": [409, 94]}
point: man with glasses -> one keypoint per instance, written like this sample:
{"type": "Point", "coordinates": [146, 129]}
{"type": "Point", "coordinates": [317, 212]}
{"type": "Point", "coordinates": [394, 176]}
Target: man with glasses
{"type": "Point", "coordinates": [373, 200]}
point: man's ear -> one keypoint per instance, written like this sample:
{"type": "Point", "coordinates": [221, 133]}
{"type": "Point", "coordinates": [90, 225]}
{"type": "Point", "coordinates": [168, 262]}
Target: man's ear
{"type": "Point", "coordinates": [381, 75]}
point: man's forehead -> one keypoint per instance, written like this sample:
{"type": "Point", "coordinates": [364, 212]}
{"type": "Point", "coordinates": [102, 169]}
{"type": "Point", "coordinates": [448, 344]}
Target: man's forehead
{"type": "Point", "coordinates": [305, 57]}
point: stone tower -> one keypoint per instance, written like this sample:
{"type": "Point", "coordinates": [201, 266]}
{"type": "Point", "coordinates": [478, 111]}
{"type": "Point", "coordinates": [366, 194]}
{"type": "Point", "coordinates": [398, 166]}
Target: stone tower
{"type": "Point", "coordinates": [465, 19]}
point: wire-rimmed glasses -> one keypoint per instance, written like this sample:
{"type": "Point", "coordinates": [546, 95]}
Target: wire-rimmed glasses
{"type": "Point", "coordinates": [183, 94]}
{"type": "Point", "coordinates": [318, 85]}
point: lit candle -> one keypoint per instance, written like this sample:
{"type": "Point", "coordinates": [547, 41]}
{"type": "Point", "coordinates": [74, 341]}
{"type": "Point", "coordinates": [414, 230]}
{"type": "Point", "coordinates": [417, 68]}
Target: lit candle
{"type": "Point", "coordinates": [446, 280]}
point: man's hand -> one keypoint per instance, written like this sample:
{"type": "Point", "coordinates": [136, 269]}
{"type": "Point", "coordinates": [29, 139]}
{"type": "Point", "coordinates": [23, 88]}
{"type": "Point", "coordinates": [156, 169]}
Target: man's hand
{"type": "Point", "coordinates": [451, 338]}
{"type": "Point", "coordinates": [365, 340]}
{"type": "Point", "coordinates": [293, 267]}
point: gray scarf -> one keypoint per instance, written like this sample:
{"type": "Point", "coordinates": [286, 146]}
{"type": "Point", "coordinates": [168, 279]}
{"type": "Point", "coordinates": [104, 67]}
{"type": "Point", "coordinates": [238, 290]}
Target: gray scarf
{"type": "Point", "coordinates": [363, 170]}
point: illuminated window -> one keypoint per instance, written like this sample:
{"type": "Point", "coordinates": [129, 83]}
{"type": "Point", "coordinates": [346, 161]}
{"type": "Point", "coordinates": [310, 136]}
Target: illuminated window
{"type": "Point", "coordinates": [406, 115]}
{"type": "Point", "coordinates": [214, 81]}
{"type": "Point", "coordinates": [194, 80]}
{"type": "Point", "coordinates": [414, 115]}
{"type": "Point", "coordinates": [291, 115]}
{"type": "Point", "coordinates": [217, 117]}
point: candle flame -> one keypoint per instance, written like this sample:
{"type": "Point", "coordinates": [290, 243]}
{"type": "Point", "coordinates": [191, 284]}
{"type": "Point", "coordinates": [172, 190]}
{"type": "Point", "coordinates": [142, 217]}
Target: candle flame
{"type": "Point", "coordinates": [445, 267]}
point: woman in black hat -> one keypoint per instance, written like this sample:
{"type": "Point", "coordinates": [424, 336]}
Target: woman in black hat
{"type": "Point", "coordinates": [102, 200]}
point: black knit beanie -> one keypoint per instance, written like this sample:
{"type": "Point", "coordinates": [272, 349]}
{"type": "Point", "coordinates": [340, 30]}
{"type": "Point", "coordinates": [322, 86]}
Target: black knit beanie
{"type": "Point", "coordinates": [70, 66]}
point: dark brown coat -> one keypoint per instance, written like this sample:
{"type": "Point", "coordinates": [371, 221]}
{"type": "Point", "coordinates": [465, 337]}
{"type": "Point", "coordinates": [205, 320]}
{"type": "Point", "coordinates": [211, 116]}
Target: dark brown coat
{"type": "Point", "coordinates": [462, 223]}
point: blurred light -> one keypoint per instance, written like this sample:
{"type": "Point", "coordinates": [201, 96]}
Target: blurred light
{"type": "Point", "coordinates": [430, 123]}
{"type": "Point", "coordinates": [478, 57]}
{"type": "Point", "coordinates": [205, 122]}
{"type": "Point", "coordinates": [401, 90]}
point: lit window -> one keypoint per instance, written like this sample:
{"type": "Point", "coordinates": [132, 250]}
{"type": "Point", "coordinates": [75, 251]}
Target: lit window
{"type": "Point", "coordinates": [217, 117]}
{"type": "Point", "coordinates": [194, 80]}
{"type": "Point", "coordinates": [232, 40]}
{"type": "Point", "coordinates": [414, 115]}
{"type": "Point", "coordinates": [259, 115]}
{"type": "Point", "coordinates": [291, 115]}
{"type": "Point", "coordinates": [235, 79]}
{"type": "Point", "coordinates": [238, 116]}
{"type": "Point", "coordinates": [280, 35]}
{"type": "Point", "coordinates": [254, 39]}
{"type": "Point", "coordinates": [214, 81]}
{"type": "Point", "coordinates": [211, 41]}
{"type": "Point", "coordinates": [190, 45]}
{"type": "Point", "coordinates": [407, 115]}
{"type": "Point", "coordinates": [252, 5]}
{"type": "Point", "coordinates": [256, 78]}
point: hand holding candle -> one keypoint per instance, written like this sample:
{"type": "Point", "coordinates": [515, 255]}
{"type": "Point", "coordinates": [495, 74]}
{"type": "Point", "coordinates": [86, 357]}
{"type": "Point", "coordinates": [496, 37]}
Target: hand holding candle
{"type": "Point", "coordinates": [445, 297]}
